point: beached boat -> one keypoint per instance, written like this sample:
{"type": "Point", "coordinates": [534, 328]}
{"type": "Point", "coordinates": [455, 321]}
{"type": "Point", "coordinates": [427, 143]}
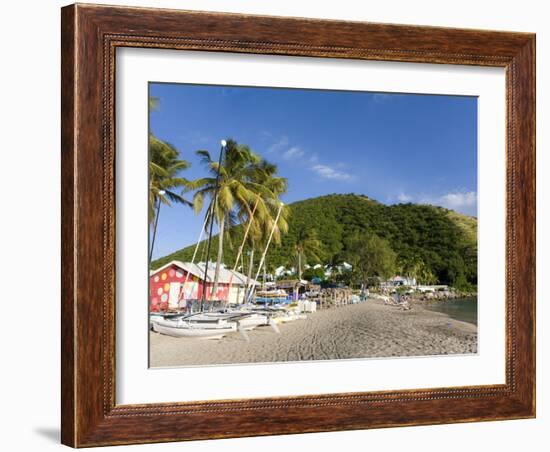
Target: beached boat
{"type": "Point", "coordinates": [242, 318]}
{"type": "Point", "coordinates": [272, 293]}
{"type": "Point", "coordinates": [252, 321]}
{"type": "Point", "coordinates": [245, 320]}
{"type": "Point", "coordinates": [289, 317]}
{"type": "Point", "coordinates": [271, 296]}
{"type": "Point", "coordinates": [210, 325]}
{"type": "Point", "coordinates": [165, 316]}
{"type": "Point", "coordinates": [215, 329]}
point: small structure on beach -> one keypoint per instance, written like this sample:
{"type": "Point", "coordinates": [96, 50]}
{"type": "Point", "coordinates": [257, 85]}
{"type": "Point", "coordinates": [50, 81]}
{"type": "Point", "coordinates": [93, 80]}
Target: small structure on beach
{"type": "Point", "coordinates": [398, 281]}
{"type": "Point", "coordinates": [292, 286]}
{"type": "Point", "coordinates": [433, 288]}
{"type": "Point", "coordinates": [177, 281]}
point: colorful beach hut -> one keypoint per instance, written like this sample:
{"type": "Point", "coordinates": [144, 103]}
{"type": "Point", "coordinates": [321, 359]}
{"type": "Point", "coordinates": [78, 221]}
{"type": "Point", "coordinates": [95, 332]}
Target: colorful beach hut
{"type": "Point", "coordinates": [176, 281]}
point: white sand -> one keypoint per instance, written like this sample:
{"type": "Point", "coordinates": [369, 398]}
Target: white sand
{"type": "Point", "coordinates": [365, 330]}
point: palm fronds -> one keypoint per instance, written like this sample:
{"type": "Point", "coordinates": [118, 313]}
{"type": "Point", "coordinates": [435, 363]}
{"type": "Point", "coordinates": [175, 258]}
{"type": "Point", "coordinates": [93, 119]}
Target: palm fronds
{"type": "Point", "coordinates": [165, 184]}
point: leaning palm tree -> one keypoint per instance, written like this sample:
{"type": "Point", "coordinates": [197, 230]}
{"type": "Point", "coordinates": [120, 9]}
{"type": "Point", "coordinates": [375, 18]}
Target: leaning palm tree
{"type": "Point", "coordinates": [164, 180]}
{"type": "Point", "coordinates": [307, 247]}
{"type": "Point", "coordinates": [165, 183]}
{"type": "Point", "coordinates": [153, 103]}
{"type": "Point", "coordinates": [235, 189]}
{"type": "Point", "coordinates": [269, 188]}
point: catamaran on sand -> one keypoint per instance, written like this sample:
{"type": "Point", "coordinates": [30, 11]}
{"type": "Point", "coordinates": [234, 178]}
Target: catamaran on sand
{"type": "Point", "coordinates": [211, 325]}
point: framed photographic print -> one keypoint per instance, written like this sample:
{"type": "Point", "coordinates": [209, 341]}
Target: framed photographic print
{"type": "Point", "coordinates": [280, 225]}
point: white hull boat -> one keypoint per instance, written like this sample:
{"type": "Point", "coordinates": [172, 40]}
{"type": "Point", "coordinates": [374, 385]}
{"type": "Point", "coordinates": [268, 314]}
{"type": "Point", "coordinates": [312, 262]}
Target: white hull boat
{"type": "Point", "coordinates": [245, 320]}
{"type": "Point", "coordinates": [290, 317]}
{"type": "Point", "coordinates": [252, 321]}
{"type": "Point", "coordinates": [153, 318]}
{"type": "Point", "coordinates": [200, 330]}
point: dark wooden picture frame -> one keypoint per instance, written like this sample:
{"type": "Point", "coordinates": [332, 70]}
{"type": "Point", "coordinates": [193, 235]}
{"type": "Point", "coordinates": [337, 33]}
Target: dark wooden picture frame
{"type": "Point", "coordinates": [90, 36]}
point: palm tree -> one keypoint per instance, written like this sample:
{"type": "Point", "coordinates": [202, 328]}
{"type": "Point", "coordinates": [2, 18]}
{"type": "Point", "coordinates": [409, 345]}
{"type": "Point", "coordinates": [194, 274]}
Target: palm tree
{"type": "Point", "coordinates": [416, 268]}
{"type": "Point", "coordinates": [164, 180]}
{"type": "Point", "coordinates": [425, 275]}
{"type": "Point", "coordinates": [153, 103]}
{"type": "Point", "coordinates": [269, 188]}
{"type": "Point", "coordinates": [164, 167]}
{"type": "Point", "coordinates": [236, 189]}
{"type": "Point", "coordinates": [411, 267]}
{"type": "Point", "coordinates": [248, 191]}
{"type": "Point", "coordinates": [307, 246]}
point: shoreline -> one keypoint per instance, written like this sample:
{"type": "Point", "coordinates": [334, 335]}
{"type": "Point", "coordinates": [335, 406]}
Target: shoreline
{"type": "Point", "coordinates": [432, 297]}
{"type": "Point", "coordinates": [366, 330]}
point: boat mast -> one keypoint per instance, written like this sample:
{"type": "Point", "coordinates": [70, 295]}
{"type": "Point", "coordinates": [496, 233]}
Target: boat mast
{"type": "Point", "coordinates": [262, 260]}
{"type": "Point", "coordinates": [239, 254]}
{"type": "Point", "coordinates": [206, 218]}
{"type": "Point", "coordinates": [212, 207]}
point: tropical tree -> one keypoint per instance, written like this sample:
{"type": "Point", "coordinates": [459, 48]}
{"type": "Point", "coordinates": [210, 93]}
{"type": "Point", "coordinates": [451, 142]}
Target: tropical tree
{"type": "Point", "coordinates": [426, 276]}
{"type": "Point", "coordinates": [307, 247]}
{"type": "Point", "coordinates": [243, 180]}
{"type": "Point", "coordinates": [165, 184]}
{"type": "Point", "coordinates": [153, 103]}
{"type": "Point", "coordinates": [415, 267]}
{"type": "Point", "coordinates": [266, 219]}
{"type": "Point", "coordinates": [371, 257]}
{"type": "Point", "coordinates": [164, 180]}
{"type": "Point", "coordinates": [411, 267]}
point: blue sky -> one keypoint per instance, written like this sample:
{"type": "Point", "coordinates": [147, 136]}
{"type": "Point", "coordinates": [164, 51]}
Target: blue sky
{"type": "Point", "coordinates": [391, 147]}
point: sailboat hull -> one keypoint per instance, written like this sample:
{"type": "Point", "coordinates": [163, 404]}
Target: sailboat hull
{"type": "Point", "coordinates": [253, 321]}
{"type": "Point", "coordinates": [193, 330]}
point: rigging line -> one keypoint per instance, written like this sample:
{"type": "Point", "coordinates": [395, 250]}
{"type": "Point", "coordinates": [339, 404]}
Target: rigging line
{"type": "Point", "coordinates": [240, 252]}
{"type": "Point", "coordinates": [206, 217]}
{"type": "Point", "coordinates": [242, 264]}
{"type": "Point", "coordinates": [214, 202]}
{"type": "Point", "coordinates": [262, 260]}
{"type": "Point", "coordinates": [205, 241]}
{"type": "Point", "coordinates": [203, 253]}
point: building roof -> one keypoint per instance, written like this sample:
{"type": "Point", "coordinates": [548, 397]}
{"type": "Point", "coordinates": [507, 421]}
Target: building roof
{"type": "Point", "coordinates": [401, 278]}
{"type": "Point", "coordinates": [290, 283]}
{"type": "Point", "coordinates": [198, 271]}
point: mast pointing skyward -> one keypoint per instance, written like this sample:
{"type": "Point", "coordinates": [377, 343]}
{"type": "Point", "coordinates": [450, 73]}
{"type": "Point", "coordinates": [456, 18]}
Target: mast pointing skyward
{"type": "Point", "coordinates": [212, 211]}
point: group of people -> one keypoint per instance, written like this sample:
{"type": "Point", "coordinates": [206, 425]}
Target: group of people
{"type": "Point", "coordinates": [402, 301]}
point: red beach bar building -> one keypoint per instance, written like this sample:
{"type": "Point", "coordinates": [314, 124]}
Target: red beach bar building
{"type": "Point", "coordinates": [177, 281]}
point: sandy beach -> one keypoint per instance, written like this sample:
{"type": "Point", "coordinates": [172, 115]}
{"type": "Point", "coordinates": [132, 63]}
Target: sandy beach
{"type": "Point", "coordinates": [366, 330]}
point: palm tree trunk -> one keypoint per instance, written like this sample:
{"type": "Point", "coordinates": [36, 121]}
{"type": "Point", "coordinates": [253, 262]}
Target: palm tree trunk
{"type": "Point", "coordinates": [154, 232]}
{"type": "Point", "coordinates": [249, 275]}
{"type": "Point", "coordinates": [300, 266]}
{"type": "Point", "coordinates": [220, 255]}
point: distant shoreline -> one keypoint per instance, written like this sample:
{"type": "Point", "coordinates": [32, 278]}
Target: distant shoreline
{"type": "Point", "coordinates": [463, 309]}
{"type": "Point", "coordinates": [366, 330]}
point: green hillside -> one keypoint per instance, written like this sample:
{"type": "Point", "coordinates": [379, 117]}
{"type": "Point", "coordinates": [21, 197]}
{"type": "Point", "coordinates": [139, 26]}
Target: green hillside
{"type": "Point", "coordinates": [441, 241]}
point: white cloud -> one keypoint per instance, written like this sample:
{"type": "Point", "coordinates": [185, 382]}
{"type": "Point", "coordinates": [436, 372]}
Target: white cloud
{"type": "Point", "coordinates": [403, 197]}
{"type": "Point", "coordinates": [278, 146]}
{"type": "Point", "coordinates": [265, 135]}
{"type": "Point", "coordinates": [459, 200]}
{"type": "Point", "coordinates": [293, 153]}
{"type": "Point", "coordinates": [298, 156]}
{"type": "Point", "coordinates": [328, 172]}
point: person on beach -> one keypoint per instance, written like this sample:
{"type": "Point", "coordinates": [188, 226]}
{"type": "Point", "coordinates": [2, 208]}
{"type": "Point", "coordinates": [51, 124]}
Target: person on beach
{"type": "Point", "coordinates": [182, 302]}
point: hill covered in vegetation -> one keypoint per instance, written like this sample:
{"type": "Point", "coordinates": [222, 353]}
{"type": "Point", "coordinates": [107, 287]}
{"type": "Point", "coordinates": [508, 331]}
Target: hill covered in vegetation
{"type": "Point", "coordinates": [430, 243]}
